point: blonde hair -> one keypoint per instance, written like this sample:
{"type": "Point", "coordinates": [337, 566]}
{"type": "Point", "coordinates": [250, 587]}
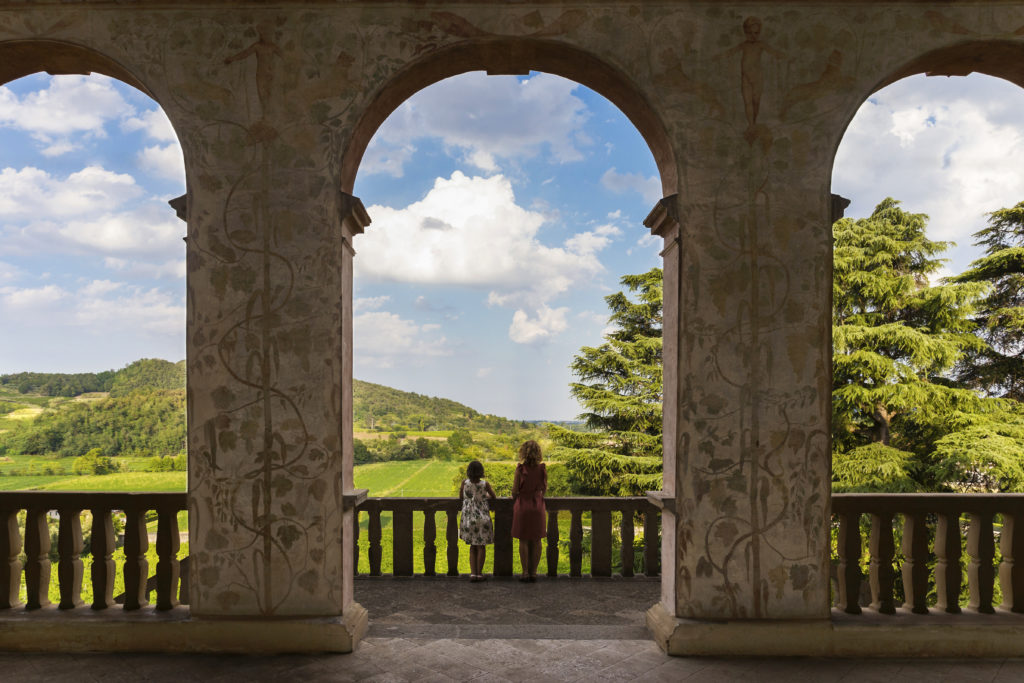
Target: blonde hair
{"type": "Point", "coordinates": [529, 452]}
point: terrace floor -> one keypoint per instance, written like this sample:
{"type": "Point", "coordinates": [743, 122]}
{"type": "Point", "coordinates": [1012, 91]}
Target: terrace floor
{"type": "Point", "coordinates": [440, 629]}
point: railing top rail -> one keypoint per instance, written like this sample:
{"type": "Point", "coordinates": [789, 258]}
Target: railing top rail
{"type": "Point", "coordinates": [85, 500]}
{"type": "Point", "coordinates": [852, 503]}
{"type": "Point", "coordinates": [583, 503]}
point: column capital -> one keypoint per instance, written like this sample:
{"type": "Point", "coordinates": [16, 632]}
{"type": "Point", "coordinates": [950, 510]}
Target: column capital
{"type": "Point", "coordinates": [353, 216]}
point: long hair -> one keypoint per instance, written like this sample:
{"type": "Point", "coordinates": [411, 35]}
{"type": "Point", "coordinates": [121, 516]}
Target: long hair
{"type": "Point", "coordinates": [475, 471]}
{"type": "Point", "coordinates": [529, 453]}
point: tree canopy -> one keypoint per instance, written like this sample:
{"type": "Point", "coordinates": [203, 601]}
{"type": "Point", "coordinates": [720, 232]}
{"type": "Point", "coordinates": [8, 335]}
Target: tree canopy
{"type": "Point", "coordinates": [620, 387]}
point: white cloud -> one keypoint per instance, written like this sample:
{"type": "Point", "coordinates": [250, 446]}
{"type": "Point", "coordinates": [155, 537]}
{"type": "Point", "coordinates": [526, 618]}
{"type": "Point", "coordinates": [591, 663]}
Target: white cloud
{"type": "Point", "coordinates": [950, 148]}
{"type": "Point", "coordinates": [483, 119]}
{"type": "Point", "coordinates": [115, 306]}
{"type": "Point", "coordinates": [381, 338]}
{"type": "Point", "coordinates": [155, 124]}
{"type": "Point", "coordinates": [34, 193]}
{"type": "Point", "coordinates": [370, 303]}
{"type": "Point", "coordinates": [470, 231]}
{"type": "Point", "coordinates": [9, 272]}
{"type": "Point", "coordinates": [15, 299]}
{"type": "Point", "coordinates": [138, 232]}
{"type": "Point", "coordinates": [547, 323]}
{"type": "Point", "coordinates": [481, 373]}
{"type": "Point", "coordinates": [70, 104]}
{"type": "Point", "coordinates": [647, 187]}
{"type": "Point", "coordinates": [174, 268]}
{"type": "Point", "coordinates": [164, 162]}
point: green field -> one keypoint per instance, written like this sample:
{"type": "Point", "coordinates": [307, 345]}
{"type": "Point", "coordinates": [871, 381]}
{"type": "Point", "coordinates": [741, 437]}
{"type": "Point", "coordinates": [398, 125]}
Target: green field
{"type": "Point", "coordinates": [407, 479]}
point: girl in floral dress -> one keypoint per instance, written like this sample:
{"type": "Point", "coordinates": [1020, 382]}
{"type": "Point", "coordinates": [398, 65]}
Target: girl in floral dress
{"type": "Point", "coordinates": [475, 525]}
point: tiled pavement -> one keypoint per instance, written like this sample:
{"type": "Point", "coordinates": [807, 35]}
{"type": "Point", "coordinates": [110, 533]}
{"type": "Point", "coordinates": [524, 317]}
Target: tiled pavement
{"type": "Point", "coordinates": [444, 630]}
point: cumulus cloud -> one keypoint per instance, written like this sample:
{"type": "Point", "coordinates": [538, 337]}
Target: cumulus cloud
{"type": "Point", "coordinates": [34, 193]}
{"type": "Point", "coordinates": [164, 162]}
{"type": "Point", "coordinates": [14, 300]}
{"type": "Point", "coordinates": [482, 119]}
{"type": "Point", "coordinates": [546, 323]}
{"type": "Point", "coordinates": [154, 123]}
{"type": "Point", "coordinates": [172, 269]}
{"type": "Point", "coordinates": [380, 338]}
{"type": "Point", "coordinates": [648, 187]}
{"type": "Point", "coordinates": [950, 148]}
{"type": "Point", "coordinates": [92, 210]}
{"type": "Point", "coordinates": [483, 373]}
{"type": "Point", "coordinates": [70, 104]}
{"type": "Point", "coordinates": [369, 303]}
{"type": "Point", "coordinates": [470, 231]}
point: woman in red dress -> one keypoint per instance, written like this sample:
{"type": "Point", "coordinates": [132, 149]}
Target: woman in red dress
{"type": "Point", "coordinates": [528, 513]}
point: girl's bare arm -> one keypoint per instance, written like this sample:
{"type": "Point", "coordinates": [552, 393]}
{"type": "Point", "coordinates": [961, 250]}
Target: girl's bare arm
{"type": "Point", "coordinates": [490, 491]}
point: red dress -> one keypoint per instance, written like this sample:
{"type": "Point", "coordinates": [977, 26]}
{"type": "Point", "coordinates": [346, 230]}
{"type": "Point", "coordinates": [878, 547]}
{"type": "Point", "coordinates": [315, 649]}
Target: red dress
{"type": "Point", "coordinates": [529, 522]}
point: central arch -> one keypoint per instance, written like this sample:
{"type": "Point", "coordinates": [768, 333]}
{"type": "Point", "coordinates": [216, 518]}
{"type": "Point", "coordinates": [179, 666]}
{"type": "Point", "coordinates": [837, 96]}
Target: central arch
{"type": "Point", "coordinates": [514, 56]}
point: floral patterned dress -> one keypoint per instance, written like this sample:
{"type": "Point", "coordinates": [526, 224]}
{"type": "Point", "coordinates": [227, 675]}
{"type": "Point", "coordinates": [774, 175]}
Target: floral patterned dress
{"type": "Point", "coordinates": [475, 525]}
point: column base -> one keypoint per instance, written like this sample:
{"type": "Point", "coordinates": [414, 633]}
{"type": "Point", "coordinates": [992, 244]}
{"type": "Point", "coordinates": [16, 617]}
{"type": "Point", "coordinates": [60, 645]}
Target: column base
{"type": "Point", "coordinates": [867, 635]}
{"type": "Point", "coordinates": [83, 630]}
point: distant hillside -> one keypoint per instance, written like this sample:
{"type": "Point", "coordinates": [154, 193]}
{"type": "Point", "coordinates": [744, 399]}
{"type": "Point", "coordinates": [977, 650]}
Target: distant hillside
{"type": "Point", "coordinates": [379, 407]}
{"type": "Point", "coordinates": [145, 412]}
{"type": "Point", "coordinates": [147, 373]}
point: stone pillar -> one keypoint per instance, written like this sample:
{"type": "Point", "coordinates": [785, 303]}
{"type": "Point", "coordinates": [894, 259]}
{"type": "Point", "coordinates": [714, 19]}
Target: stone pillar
{"type": "Point", "coordinates": [747, 400]}
{"type": "Point", "coordinates": [269, 392]}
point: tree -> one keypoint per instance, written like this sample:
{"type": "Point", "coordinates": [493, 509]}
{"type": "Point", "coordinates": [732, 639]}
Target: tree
{"type": "Point", "coordinates": [895, 340]}
{"type": "Point", "coordinates": [998, 368]}
{"type": "Point", "coordinates": [620, 388]}
{"type": "Point", "coordinates": [93, 462]}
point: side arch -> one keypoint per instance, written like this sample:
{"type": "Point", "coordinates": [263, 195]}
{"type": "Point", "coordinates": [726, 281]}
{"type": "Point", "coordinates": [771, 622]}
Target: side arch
{"type": "Point", "coordinates": [514, 56]}
{"type": "Point", "coordinates": [999, 58]}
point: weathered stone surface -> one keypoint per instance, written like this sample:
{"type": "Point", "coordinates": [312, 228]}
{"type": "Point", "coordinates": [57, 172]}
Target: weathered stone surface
{"type": "Point", "coordinates": [743, 105]}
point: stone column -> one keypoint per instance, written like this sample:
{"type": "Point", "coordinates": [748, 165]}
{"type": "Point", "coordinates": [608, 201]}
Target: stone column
{"type": "Point", "coordinates": [269, 393]}
{"type": "Point", "coordinates": [747, 400]}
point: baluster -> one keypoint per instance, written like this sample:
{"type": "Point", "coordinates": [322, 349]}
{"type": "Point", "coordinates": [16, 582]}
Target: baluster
{"type": "Point", "coordinates": [552, 554]}
{"type": "Point", "coordinates": [10, 565]}
{"type": "Point", "coordinates": [948, 575]}
{"type": "Point", "coordinates": [374, 551]}
{"type": "Point", "coordinates": [502, 537]}
{"type": "Point", "coordinates": [451, 537]}
{"type": "Point", "coordinates": [401, 544]}
{"type": "Point", "coordinates": [980, 573]}
{"type": "Point", "coordinates": [652, 549]}
{"type": "Point", "coordinates": [429, 549]}
{"type": "Point", "coordinates": [626, 533]}
{"type": "Point", "coordinates": [915, 562]}
{"type": "Point", "coordinates": [102, 559]}
{"type": "Point", "coordinates": [1011, 570]}
{"type": "Point", "coordinates": [576, 543]}
{"type": "Point", "coordinates": [168, 541]}
{"type": "Point", "coordinates": [355, 542]}
{"type": "Point", "coordinates": [849, 549]}
{"type": "Point", "coordinates": [136, 567]}
{"type": "Point", "coordinates": [69, 563]}
{"type": "Point", "coordinates": [601, 543]}
{"type": "Point", "coordinates": [882, 574]}
{"type": "Point", "coordinates": [37, 559]}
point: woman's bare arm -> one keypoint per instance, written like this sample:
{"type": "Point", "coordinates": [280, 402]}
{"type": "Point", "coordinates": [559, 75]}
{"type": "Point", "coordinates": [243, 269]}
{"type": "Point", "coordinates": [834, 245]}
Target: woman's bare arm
{"type": "Point", "coordinates": [516, 481]}
{"type": "Point", "coordinates": [544, 469]}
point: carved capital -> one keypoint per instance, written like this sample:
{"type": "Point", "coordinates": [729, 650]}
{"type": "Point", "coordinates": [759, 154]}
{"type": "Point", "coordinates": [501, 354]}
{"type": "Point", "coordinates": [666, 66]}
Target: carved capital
{"type": "Point", "coordinates": [353, 217]}
{"type": "Point", "coordinates": [663, 220]}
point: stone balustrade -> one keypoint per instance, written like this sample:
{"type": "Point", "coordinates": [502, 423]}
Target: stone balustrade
{"type": "Point", "coordinates": [930, 524]}
{"type": "Point", "coordinates": [37, 507]}
{"type": "Point", "coordinates": [600, 511]}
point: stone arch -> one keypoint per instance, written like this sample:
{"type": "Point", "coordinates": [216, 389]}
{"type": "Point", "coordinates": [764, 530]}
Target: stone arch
{"type": "Point", "coordinates": [515, 56]}
{"type": "Point", "coordinates": [999, 58]}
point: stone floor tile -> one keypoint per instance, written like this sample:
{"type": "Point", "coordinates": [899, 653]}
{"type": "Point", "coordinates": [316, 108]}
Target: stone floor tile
{"type": "Point", "coordinates": [1010, 670]}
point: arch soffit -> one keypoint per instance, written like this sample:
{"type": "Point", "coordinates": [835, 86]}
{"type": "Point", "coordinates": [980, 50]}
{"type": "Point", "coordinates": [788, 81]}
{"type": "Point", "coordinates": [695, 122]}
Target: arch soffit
{"type": "Point", "coordinates": [514, 57]}
{"type": "Point", "coordinates": [999, 58]}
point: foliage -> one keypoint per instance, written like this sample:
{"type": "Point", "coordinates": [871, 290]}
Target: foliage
{"type": "Point", "coordinates": [94, 462]}
{"type": "Point", "coordinates": [148, 374]}
{"type": "Point", "coordinates": [376, 407]}
{"type": "Point", "coordinates": [998, 367]}
{"type": "Point", "coordinates": [620, 388]}
{"type": "Point", "coordinates": [896, 338]}
{"type": "Point", "coordinates": [58, 384]}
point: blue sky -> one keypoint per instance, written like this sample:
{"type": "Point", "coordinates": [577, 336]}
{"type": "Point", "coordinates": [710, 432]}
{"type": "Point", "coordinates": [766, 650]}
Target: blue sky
{"type": "Point", "coordinates": [504, 209]}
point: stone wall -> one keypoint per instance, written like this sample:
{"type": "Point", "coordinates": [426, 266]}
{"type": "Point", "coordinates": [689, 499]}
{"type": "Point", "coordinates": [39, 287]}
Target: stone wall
{"type": "Point", "coordinates": [743, 104]}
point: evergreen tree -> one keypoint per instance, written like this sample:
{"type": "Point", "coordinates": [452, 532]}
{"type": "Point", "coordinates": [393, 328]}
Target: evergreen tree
{"type": "Point", "coordinates": [620, 387]}
{"type": "Point", "coordinates": [895, 340]}
{"type": "Point", "coordinates": [998, 368]}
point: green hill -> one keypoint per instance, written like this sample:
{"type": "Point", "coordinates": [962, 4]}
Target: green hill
{"type": "Point", "coordinates": [379, 407]}
{"type": "Point", "coordinates": [144, 413]}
